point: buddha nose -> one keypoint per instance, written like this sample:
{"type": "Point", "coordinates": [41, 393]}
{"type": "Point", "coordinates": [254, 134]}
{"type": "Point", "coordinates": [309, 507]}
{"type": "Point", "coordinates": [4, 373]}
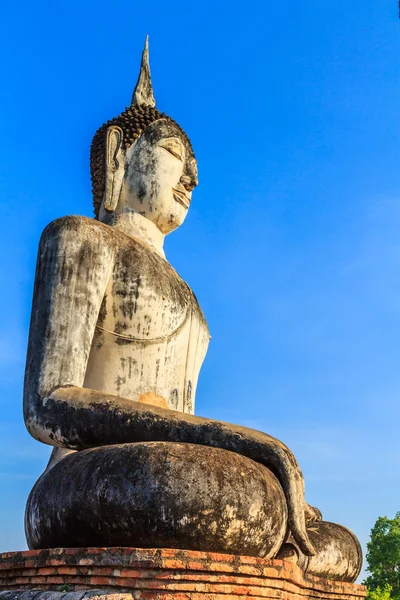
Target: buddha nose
{"type": "Point", "coordinates": [189, 181]}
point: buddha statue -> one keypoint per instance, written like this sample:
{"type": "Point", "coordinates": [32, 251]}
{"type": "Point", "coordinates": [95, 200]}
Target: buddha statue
{"type": "Point", "coordinates": [116, 343]}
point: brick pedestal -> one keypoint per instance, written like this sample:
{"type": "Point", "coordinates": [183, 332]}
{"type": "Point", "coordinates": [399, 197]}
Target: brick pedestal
{"type": "Point", "coordinates": [165, 574]}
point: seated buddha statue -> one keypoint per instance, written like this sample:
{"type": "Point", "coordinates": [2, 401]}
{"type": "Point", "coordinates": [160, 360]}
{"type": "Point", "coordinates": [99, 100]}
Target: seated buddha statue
{"type": "Point", "coordinates": [116, 343]}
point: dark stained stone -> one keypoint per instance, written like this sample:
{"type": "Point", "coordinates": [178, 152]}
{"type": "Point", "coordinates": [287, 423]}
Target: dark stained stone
{"type": "Point", "coordinates": [158, 494]}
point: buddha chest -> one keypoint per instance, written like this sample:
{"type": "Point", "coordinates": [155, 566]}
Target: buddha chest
{"type": "Point", "coordinates": [151, 336]}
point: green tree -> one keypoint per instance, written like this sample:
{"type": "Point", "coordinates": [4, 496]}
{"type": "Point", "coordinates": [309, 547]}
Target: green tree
{"type": "Point", "coordinates": [380, 593]}
{"type": "Point", "coordinates": [383, 559]}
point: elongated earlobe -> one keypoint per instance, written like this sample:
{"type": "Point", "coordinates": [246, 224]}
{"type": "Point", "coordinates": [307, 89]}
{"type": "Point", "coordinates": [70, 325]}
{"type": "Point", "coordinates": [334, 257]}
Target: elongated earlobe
{"type": "Point", "coordinates": [115, 167]}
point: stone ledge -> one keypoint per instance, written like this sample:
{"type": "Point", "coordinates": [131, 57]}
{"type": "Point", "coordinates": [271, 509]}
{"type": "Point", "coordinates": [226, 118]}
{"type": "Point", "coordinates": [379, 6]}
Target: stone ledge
{"type": "Point", "coordinates": [165, 574]}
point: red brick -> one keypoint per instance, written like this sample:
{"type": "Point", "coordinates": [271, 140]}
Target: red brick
{"type": "Point", "coordinates": [74, 581]}
{"type": "Point", "coordinates": [125, 582]}
{"type": "Point", "coordinates": [21, 573]}
{"type": "Point", "coordinates": [21, 580]}
{"type": "Point", "coordinates": [249, 570]}
{"type": "Point", "coordinates": [179, 575]}
{"type": "Point", "coordinates": [101, 581]}
{"type": "Point", "coordinates": [194, 554]}
{"type": "Point", "coordinates": [195, 566]}
{"type": "Point", "coordinates": [248, 560]}
{"type": "Point", "coordinates": [46, 571]}
{"type": "Point", "coordinates": [173, 564]}
{"type": "Point", "coordinates": [54, 579]}
{"type": "Point", "coordinates": [67, 570]}
{"type": "Point", "coordinates": [172, 576]}
{"type": "Point", "coordinates": [130, 573]}
{"type": "Point", "coordinates": [100, 570]}
{"type": "Point", "coordinates": [30, 563]}
{"type": "Point", "coordinates": [270, 572]}
{"type": "Point", "coordinates": [168, 552]}
{"type": "Point", "coordinates": [223, 568]}
{"type": "Point", "coordinates": [184, 587]}
{"type": "Point", "coordinates": [219, 557]}
{"type": "Point", "coordinates": [125, 551]}
{"type": "Point", "coordinates": [95, 550]}
{"type": "Point", "coordinates": [38, 579]}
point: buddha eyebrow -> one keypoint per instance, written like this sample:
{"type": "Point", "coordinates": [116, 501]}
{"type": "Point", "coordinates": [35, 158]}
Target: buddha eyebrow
{"type": "Point", "coordinates": [174, 140]}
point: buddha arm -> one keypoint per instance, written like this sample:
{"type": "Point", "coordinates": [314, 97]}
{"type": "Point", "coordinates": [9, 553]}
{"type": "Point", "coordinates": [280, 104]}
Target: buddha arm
{"type": "Point", "coordinates": [74, 263]}
{"type": "Point", "coordinates": [84, 418]}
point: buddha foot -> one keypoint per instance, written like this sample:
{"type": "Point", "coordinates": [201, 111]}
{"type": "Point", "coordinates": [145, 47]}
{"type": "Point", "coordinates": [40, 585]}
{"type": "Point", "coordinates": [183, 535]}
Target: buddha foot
{"type": "Point", "coordinates": [338, 552]}
{"type": "Point", "coordinates": [158, 494]}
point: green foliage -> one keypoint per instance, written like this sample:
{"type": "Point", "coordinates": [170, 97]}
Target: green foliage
{"type": "Point", "coordinates": [383, 559]}
{"type": "Point", "coordinates": [381, 593]}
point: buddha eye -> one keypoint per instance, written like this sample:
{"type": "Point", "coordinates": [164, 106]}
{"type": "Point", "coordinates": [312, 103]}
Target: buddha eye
{"type": "Point", "coordinates": [173, 147]}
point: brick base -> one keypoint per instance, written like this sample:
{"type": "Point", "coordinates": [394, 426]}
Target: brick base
{"type": "Point", "coordinates": [165, 574]}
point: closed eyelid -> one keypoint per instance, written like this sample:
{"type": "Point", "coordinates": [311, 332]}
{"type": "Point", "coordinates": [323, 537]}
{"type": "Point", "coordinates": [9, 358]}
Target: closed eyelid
{"type": "Point", "coordinates": [172, 152]}
{"type": "Point", "coordinates": [172, 147]}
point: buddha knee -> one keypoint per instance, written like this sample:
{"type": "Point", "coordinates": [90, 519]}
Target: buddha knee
{"type": "Point", "coordinates": [158, 494]}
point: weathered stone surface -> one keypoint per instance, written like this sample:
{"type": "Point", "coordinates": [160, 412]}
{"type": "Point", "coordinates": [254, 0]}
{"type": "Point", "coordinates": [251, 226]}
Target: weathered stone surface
{"type": "Point", "coordinates": [143, 93]}
{"type": "Point", "coordinates": [127, 573]}
{"type": "Point", "coordinates": [161, 495]}
{"type": "Point", "coordinates": [66, 348]}
{"type": "Point", "coordinates": [116, 344]}
{"type": "Point", "coordinates": [338, 553]}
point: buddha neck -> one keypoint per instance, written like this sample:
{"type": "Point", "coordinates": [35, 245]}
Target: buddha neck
{"type": "Point", "coordinates": [137, 226]}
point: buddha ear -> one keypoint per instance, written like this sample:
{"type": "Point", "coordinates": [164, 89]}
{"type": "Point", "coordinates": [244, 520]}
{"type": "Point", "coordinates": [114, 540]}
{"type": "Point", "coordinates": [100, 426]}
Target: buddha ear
{"type": "Point", "coordinates": [115, 167]}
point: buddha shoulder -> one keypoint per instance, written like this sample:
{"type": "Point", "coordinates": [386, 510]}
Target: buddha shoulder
{"type": "Point", "coordinates": [77, 233]}
{"type": "Point", "coordinates": [74, 258]}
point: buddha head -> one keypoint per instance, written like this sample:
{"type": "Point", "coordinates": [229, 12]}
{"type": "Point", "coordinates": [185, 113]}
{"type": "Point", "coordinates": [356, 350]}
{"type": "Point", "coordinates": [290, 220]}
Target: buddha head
{"type": "Point", "coordinates": [143, 162]}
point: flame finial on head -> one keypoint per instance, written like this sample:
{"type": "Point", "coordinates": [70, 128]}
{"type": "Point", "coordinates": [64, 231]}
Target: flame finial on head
{"type": "Point", "coordinates": [143, 93]}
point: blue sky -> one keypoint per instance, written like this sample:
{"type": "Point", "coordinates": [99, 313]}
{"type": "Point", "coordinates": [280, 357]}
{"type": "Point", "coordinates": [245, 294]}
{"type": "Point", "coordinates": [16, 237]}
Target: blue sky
{"type": "Point", "coordinates": [292, 244]}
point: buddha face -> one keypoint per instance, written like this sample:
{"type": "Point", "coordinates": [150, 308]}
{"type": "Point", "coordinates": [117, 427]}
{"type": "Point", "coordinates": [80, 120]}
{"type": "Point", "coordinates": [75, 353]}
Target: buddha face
{"type": "Point", "coordinates": [160, 174]}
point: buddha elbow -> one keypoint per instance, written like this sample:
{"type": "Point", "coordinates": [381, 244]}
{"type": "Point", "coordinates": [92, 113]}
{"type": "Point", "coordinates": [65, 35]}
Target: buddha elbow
{"type": "Point", "coordinates": [37, 425]}
{"type": "Point", "coordinates": [38, 430]}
